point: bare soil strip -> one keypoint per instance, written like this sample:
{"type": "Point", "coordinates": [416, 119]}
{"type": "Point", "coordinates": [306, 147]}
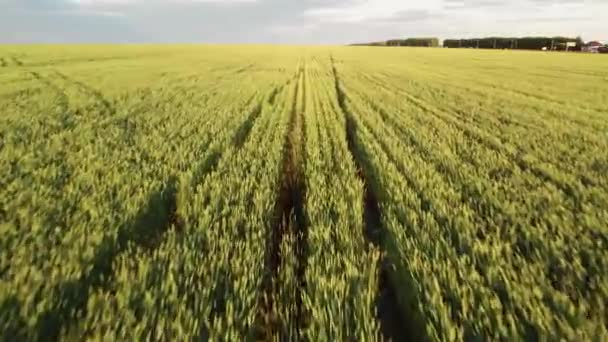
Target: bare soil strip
{"type": "Point", "coordinates": [288, 220]}
{"type": "Point", "coordinates": [387, 309]}
{"type": "Point", "coordinates": [301, 230]}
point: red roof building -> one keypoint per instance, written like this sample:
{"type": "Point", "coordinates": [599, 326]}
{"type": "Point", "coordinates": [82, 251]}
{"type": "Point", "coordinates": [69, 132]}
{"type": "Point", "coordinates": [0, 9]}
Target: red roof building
{"type": "Point", "coordinates": [593, 46]}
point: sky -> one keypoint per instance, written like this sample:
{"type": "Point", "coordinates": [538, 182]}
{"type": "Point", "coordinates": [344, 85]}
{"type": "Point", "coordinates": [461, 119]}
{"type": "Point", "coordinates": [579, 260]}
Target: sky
{"type": "Point", "coordinates": [293, 21]}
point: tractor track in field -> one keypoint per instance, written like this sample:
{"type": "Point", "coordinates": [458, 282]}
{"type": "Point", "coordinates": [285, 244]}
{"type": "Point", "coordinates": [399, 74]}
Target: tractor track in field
{"type": "Point", "coordinates": [63, 102]}
{"type": "Point", "coordinates": [67, 111]}
{"type": "Point", "coordinates": [505, 148]}
{"type": "Point", "coordinates": [97, 96]}
{"type": "Point", "coordinates": [541, 98]}
{"type": "Point", "coordinates": [19, 97]}
{"type": "Point", "coordinates": [289, 219]}
{"type": "Point", "coordinates": [145, 231]}
{"type": "Point", "coordinates": [72, 61]}
{"type": "Point", "coordinates": [13, 61]}
{"type": "Point", "coordinates": [440, 218]}
{"type": "Point", "coordinates": [16, 61]}
{"type": "Point", "coordinates": [394, 324]}
{"type": "Point", "coordinates": [100, 104]}
{"type": "Point", "coordinates": [244, 69]}
{"type": "Point", "coordinates": [301, 230]}
{"type": "Point", "coordinates": [538, 99]}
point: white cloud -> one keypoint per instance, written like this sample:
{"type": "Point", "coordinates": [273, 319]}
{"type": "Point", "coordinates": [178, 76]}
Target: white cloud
{"type": "Point", "coordinates": [291, 21]}
{"type": "Point", "coordinates": [371, 10]}
{"type": "Point", "coordinates": [84, 12]}
{"type": "Point", "coordinates": [126, 2]}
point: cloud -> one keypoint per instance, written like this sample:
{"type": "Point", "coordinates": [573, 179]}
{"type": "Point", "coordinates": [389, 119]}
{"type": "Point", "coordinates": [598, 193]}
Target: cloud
{"type": "Point", "coordinates": [291, 21]}
{"type": "Point", "coordinates": [67, 26]}
{"type": "Point", "coordinates": [512, 4]}
{"type": "Point", "coordinates": [559, 2]}
{"type": "Point", "coordinates": [412, 16]}
{"type": "Point", "coordinates": [477, 4]}
{"type": "Point", "coordinates": [120, 2]}
{"type": "Point", "coordinates": [87, 13]}
{"type": "Point", "coordinates": [545, 19]}
{"type": "Point", "coordinates": [37, 4]}
{"type": "Point", "coordinates": [370, 10]}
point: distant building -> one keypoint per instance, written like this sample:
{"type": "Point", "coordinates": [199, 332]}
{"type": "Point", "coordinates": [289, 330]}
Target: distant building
{"type": "Point", "coordinates": [593, 47]}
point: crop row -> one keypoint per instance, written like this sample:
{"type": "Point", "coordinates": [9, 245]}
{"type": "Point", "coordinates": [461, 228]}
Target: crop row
{"type": "Point", "coordinates": [302, 194]}
{"type": "Point", "coordinates": [106, 176]}
{"type": "Point", "coordinates": [486, 243]}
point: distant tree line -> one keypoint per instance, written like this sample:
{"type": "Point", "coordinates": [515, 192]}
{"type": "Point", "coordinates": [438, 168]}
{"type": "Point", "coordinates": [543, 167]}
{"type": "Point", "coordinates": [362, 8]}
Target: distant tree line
{"type": "Point", "coordinates": [522, 43]}
{"type": "Point", "coordinates": [369, 44]}
{"type": "Point", "coordinates": [525, 43]}
{"type": "Point", "coordinates": [426, 42]}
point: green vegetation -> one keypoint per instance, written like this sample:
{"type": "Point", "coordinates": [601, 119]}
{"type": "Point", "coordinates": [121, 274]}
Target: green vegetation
{"type": "Point", "coordinates": [525, 43]}
{"type": "Point", "coordinates": [320, 193]}
{"type": "Point", "coordinates": [412, 42]}
{"type": "Point", "coordinates": [421, 42]}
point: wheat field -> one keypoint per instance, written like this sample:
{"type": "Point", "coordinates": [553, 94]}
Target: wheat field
{"type": "Point", "coordinates": [302, 193]}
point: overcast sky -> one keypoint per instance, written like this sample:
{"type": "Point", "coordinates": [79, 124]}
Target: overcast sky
{"type": "Point", "coordinates": [293, 21]}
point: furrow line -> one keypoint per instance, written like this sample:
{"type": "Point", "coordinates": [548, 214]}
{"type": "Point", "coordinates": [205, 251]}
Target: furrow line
{"type": "Point", "coordinates": [161, 214]}
{"type": "Point", "coordinates": [287, 228]}
{"type": "Point", "coordinates": [388, 313]}
{"type": "Point", "coordinates": [514, 153]}
{"type": "Point", "coordinates": [301, 231]}
{"type": "Point", "coordinates": [90, 91]}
